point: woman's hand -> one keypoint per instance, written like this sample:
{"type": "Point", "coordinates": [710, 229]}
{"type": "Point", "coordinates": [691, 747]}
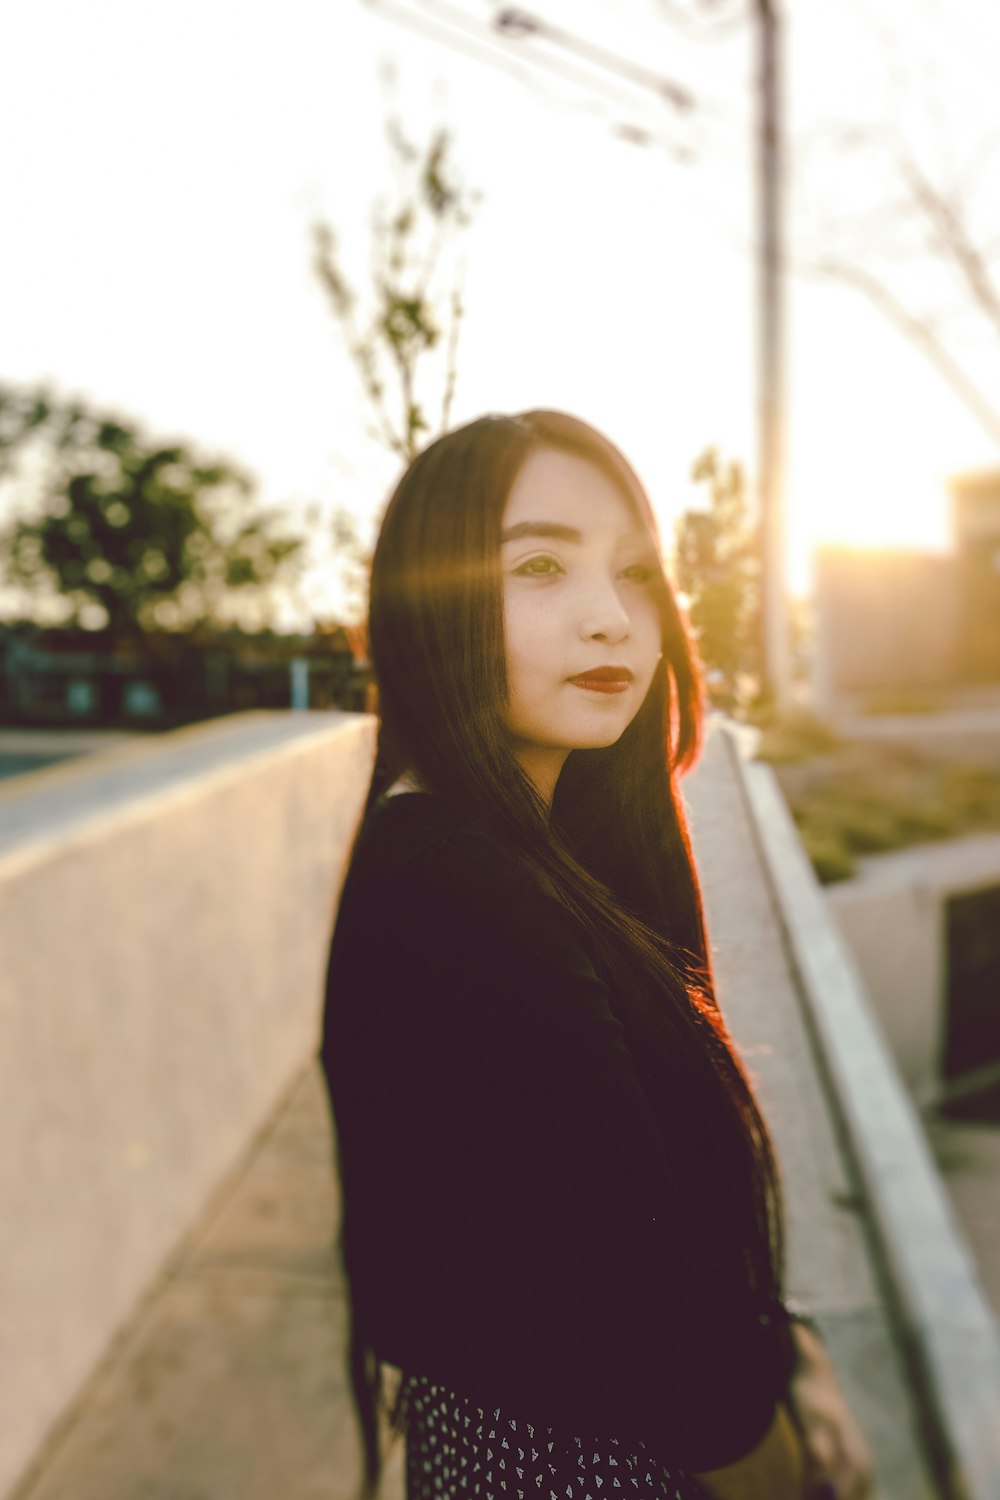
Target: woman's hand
{"type": "Point", "coordinates": [837, 1458]}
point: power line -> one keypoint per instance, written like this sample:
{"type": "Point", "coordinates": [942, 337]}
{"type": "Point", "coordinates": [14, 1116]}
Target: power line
{"type": "Point", "coordinates": [489, 54]}
{"type": "Point", "coordinates": [521, 23]}
{"type": "Point", "coordinates": [451, 27]}
{"type": "Point", "coordinates": [524, 23]}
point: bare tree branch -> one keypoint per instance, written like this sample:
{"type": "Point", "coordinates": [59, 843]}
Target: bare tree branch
{"type": "Point", "coordinates": [886, 250]}
{"type": "Point", "coordinates": [953, 239]}
{"type": "Point", "coordinates": [457, 310]}
{"type": "Point", "coordinates": [343, 301]}
{"type": "Point", "coordinates": [920, 332]}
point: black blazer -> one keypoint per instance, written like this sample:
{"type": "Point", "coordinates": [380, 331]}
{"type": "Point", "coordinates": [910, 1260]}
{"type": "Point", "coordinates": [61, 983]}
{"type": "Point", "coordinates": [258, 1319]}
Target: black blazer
{"type": "Point", "coordinates": [509, 1225]}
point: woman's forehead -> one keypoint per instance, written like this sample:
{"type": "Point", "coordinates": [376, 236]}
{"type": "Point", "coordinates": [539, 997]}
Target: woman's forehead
{"type": "Point", "coordinates": [570, 492]}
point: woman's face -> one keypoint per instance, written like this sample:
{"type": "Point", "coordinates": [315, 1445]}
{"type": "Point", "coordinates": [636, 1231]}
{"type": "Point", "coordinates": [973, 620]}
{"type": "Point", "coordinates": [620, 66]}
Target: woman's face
{"type": "Point", "coordinates": [579, 589]}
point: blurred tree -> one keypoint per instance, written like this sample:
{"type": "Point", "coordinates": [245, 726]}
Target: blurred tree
{"type": "Point", "coordinates": [717, 569]}
{"type": "Point", "coordinates": [135, 535]}
{"type": "Point", "coordinates": [406, 319]}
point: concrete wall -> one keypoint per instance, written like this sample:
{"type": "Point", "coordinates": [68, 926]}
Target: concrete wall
{"type": "Point", "coordinates": [892, 916]}
{"type": "Point", "coordinates": [164, 916]}
{"type": "Point", "coordinates": [896, 937]}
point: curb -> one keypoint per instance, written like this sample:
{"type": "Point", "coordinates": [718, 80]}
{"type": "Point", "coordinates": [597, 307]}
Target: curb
{"type": "Point", "coordinates": [947, 1328]}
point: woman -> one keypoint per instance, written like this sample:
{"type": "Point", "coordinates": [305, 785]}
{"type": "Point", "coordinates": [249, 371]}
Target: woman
{"type": "Point", "coordinates": [561, 1217]}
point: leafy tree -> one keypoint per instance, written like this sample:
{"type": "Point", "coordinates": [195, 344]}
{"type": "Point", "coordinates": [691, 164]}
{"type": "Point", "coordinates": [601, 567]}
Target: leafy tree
{"type": "Point", "coordinates": [134, 534]}
{"type": "Point", "coordinates": [405, 318]}
{"type": "Point", "coordinates": [718, 571]}
{"type": "Point", "coordinates": [408, 317]}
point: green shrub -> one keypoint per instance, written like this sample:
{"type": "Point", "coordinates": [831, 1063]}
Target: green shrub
{"type": "Point", "coordinates": [830, 860]}
{"type": "Point", "coordinates": [830, 857]}
{"type": "Point", "coordinates": [795, 736]}
{"type": "Point", "coordinates": [975, 792]}
{"type": "Point", "coordinates": [851, 799]}
{"type": "Point", "coordinates": [868, 829]}
{"type": "Point", "coordinates": [902, 701]}
{"type": "Point", "coordinates": [924, 823]}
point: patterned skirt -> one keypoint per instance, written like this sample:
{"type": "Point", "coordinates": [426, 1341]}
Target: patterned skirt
{"type": "Point", "coordinates": [456, 1450]}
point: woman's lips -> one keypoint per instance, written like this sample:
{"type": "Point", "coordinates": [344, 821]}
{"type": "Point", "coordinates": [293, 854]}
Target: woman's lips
{"type": "Point", "coordinates": [604, 679]}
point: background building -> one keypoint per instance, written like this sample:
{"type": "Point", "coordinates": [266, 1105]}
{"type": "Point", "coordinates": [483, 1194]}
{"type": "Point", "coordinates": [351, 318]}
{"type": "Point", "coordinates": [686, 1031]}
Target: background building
{"type": "Point", "coordinates": [892, 622]}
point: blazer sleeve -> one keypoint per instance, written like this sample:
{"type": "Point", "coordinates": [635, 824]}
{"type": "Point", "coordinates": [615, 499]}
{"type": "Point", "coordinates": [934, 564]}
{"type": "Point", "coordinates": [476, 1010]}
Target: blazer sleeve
{"type": "Point", "coordinates": [554, 1253]}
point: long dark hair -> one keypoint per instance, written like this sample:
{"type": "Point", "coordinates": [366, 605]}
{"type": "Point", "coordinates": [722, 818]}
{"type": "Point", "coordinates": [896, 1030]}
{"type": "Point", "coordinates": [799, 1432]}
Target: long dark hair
{"type": "Point", "coordinates": [614, 847]}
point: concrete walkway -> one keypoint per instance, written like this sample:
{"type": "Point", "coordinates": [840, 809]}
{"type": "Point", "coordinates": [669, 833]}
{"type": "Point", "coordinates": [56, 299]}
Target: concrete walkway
{"type": "Point", "coordinates": [65, 796]}
{"type": "Point", "coordinates": [62, 741]}
{"type": "Point", "coordinates": [834, 1263]}
{"type": "Point", "coordinates": [228, 1383]}
{"type": "Point", "coordinates": [26, 750]}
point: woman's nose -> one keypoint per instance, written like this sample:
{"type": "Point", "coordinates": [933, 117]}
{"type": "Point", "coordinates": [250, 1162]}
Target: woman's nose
{"type": "Point", "coordinates": [604, 617]}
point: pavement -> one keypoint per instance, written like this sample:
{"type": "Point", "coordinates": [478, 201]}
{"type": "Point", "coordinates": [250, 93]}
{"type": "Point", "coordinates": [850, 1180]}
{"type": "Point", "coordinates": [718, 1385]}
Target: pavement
{"type": "Point", "coordinates": [58, 799]}
{"type": "Point", "coordinates": [228, 1382]}
{"type": "Point", "coordinates": [24, 750]}
{"type": "Point", "coordinates": [834, 1262]}
{"type": "Point", "coordinates": [63, 741]}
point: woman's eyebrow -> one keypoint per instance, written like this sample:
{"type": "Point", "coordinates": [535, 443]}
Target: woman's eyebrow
{"type": "Point", "coordinates": [552, 529]}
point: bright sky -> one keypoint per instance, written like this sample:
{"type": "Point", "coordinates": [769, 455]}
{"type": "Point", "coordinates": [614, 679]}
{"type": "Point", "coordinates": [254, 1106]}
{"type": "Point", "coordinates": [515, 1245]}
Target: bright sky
{"type": "Point", "coordinates": [164, 163]}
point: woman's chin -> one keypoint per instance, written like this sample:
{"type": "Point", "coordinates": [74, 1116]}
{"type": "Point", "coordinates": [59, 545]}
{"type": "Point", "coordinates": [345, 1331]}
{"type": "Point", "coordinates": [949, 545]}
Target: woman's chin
{"type": "Point", "coordinates": [600, 739]}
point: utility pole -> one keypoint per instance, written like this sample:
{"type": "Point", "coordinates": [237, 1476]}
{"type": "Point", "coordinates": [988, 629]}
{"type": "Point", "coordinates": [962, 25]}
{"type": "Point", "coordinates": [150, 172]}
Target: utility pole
{"type": "Point", "coordinates": [776, 650]}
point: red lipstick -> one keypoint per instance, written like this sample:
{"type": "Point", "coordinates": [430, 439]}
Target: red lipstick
{"type": "Point", "coordinates": [604, 679]}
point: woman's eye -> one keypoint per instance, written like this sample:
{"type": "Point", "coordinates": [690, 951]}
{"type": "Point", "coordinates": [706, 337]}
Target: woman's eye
{"type": "Point", "coordinates": [538, 567]}
{"type": "Point", "coordinates": [638, 573]}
